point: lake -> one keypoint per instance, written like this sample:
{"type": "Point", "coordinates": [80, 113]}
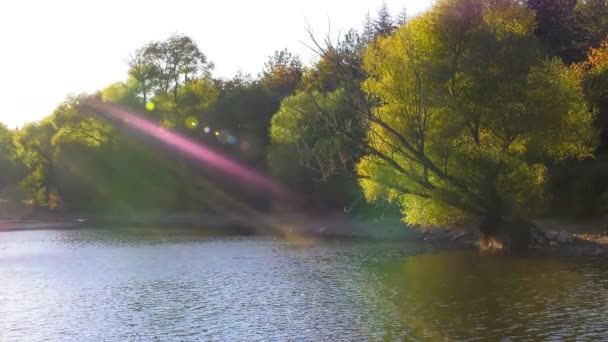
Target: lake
{"type": "Point", "coordinates": [183, 285]}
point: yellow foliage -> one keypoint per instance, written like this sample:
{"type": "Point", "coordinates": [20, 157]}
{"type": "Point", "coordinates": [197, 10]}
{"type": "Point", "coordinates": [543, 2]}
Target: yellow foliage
{"type": "Point", "coordinates": [465, 105]}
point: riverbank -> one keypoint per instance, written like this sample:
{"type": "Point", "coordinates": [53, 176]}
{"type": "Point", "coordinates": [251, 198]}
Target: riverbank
{"type": "Point", "coordinates": [16, 225]}
{"type": "Point", "coordinates": [549, 237]}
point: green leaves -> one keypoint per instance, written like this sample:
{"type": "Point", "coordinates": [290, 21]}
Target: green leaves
{"type": "Point", "coordinates": [468, 113]}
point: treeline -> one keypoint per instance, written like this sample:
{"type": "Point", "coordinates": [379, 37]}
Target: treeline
{"type": "Point", "coordinates": [472, 109]}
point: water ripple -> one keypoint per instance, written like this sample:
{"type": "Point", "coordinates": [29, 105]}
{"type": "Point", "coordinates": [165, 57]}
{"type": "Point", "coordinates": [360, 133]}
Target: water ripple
{"type": "Point", "coordinates": [136, 286]}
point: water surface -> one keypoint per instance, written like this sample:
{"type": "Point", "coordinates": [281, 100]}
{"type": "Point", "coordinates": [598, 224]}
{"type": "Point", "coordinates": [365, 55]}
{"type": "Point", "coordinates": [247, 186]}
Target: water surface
{"type": "Point", "coordinates": [106, 285]}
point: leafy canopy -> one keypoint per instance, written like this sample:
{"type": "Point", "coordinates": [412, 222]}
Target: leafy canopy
{"type": "Point", "coordinates": [468, 114]}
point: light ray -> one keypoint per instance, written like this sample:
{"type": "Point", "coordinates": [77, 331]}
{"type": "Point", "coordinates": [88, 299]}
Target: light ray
{"type": "Point", "coordinates": [190, 147]}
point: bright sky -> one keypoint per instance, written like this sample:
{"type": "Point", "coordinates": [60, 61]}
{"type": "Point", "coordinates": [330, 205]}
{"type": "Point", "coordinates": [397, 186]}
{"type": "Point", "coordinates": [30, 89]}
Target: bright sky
{"type": "Point", "coordinates": [54, 48]}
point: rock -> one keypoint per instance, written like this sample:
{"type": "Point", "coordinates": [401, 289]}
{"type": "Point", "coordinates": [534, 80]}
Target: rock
{"type": "Point", "coordinates": [551, 235]}
{"type": "Point", "coordinates": [537, 237]}
{"type": "Point", "coordinates": [553, 243]}
{"type": "Point", "coordinates": [459, 236]}
{"type": "Point", "coordinates": [565, 237]}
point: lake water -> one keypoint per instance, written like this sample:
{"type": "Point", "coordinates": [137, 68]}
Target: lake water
{"type": "Point", "coordinates": [177, 285]}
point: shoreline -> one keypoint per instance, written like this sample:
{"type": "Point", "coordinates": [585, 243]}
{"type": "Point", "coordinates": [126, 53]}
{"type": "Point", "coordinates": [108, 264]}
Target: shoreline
{"type": "Point", "coordinates": [585, 244]}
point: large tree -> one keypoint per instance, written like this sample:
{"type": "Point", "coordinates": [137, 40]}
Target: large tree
{"type": "Point", "coordinates": [462, 114]}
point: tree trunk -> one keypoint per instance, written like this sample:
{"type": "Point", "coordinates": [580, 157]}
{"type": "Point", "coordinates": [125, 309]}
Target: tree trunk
{"type": "Point", "coordinates": [512, 236]}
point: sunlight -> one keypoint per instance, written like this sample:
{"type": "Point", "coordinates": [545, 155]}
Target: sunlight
{"type": "Point", "coordinates": [212, 159]}
{"type": "Point", "coordinates": [193, 149]}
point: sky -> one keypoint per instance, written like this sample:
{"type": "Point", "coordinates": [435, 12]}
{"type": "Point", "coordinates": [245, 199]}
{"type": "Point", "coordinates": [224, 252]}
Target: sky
{"type": "Point", "coordinates": [50, 49]}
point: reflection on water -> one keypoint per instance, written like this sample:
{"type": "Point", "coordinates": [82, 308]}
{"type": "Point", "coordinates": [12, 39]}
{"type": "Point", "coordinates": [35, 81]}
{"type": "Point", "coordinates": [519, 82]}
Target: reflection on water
{"type": "Point", "coordinates": [186, 285]}
{"type": "Point", "coordinates": [464, 295]}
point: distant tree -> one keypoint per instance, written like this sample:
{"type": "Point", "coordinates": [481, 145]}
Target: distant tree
{"type": "Point", "coordinates": [559, 27]}
{"type": "Point", "coordinates": [245, 112]}
{"type": "Point", "coordinates": [197, 95]}
{"type": "Point", "coordinates": [594, 75]}
{"type": "Point", "coordinates": [369, 31]}
{"type": "Point", "coordinates": [143, 71]}
{"type": "Point", "coordinates": [7, 162]}
{"type": "Point", "coordinates": [175, 61]}
{"type": "Point", "coordinates": [384, 24]}
{"type": "Point", "coordinates": [240, 80]}
{"type": "Point", "coordinates": [402, 18]}
{"type": "Point", "coordinates": [282, 73]}
{"type": "Point", "coordinates": [34, 149]}
{"type": "Point", "coordinates": [594, 19]}
{"type": "Point", "coordinates": [241, 117]}
{"type": "Point", "coordinates": [327, 75]}
{"type": "Point", "coordinates": [72, 125]}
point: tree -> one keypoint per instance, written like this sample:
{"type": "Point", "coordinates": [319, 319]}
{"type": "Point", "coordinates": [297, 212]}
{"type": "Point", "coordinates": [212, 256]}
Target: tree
{"type": "Point", "coordinates": [328, 73]}
{"type": "Point", "coordinates": [559, 28]}
{"type": "Point", "coordinates": [368, 33]}
{"type": "Point", "coordinates": [196, 97]}
{"type": "Point", "coordinates": [402, 18]}
{"type": "Point", "coordinates": [594, 75]}
{"type": "Point", "coordinates": [594, 22]}
{"type": "Point", "coordinates": [320, 149]}
{"type": "Point", "coordinates": [143, 71]}
{"type": "Point", "coordinates": [383, 25]}
{"type": "Point", "coordinates": [174, 61]}
{"type": "Point", "coordinates": [33, 148]}
{"type": "Point", "coordinates": [462, 114]}
{"type": "Point", "coordinates": [7, 161]}
{"type": "Point", "coordinates": [317, 153]}
{"type": "Point", "coordinates": [282, 73]}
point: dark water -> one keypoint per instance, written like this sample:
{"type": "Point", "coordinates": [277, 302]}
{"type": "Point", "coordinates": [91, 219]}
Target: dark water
{"type": "Point", "coordinates": [93, 285]}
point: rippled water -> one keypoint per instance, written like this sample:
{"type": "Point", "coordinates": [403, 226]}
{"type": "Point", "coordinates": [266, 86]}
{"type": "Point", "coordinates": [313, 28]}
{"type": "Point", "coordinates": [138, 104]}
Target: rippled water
{"type": "Point", "coordinates": [101, 285]}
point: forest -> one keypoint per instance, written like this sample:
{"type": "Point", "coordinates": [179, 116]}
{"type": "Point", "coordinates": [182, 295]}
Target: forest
{"type": "Point", "coordinates": [471, 111]}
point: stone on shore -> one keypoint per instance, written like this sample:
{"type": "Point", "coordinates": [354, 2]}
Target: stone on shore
{"type": "Point", "coordinates": [565, 237]}
{"type": "Point", "coordinates": [551, 235]}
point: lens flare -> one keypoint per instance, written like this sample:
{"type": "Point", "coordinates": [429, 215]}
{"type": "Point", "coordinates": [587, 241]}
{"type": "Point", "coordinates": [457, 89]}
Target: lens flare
{"type": "Point", "coordinates": [150, 106]}
{"type": "Point", "coordinates": [191, 122]}
{"type": "Point", "coordinates": [223, 136]}
{"type": "Point", "coordinates": [197, 151]}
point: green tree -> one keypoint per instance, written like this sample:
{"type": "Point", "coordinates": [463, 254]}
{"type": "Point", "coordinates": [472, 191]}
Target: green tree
{"type": "Point", "coordinates": [402, 18]}
{"type": "Point", "coordinates": [594, 75]}
{"type": "Point", "coordinates": [173, 62]}
{"type": "Point", "coordinates": [143, 71]}
{"type": "Point", "coordinates": [315, 143]}
{"type": "Point", "coordinates": [559, 27]}
{"type": "Point", "coordinates": [282, 73]}
{"type": "Point", "coordinates": [8, 164]}
{"type": "Point", "coordinates": [462, 114]}
{"type": "Point", "coordinates": [338, 67]}
{"type": "Point", "coordinates": [328, 143]}
{"type": "Point", "coordinates": [33, 148]}
{"type": "Point", "coordinates": [594, 18]}
{"type": "Point", "coordinates": [384, 24]}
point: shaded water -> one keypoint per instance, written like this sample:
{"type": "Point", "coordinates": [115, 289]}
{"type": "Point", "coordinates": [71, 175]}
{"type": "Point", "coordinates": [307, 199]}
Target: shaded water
{"type": "Point", "coordinates": [101, 285]}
